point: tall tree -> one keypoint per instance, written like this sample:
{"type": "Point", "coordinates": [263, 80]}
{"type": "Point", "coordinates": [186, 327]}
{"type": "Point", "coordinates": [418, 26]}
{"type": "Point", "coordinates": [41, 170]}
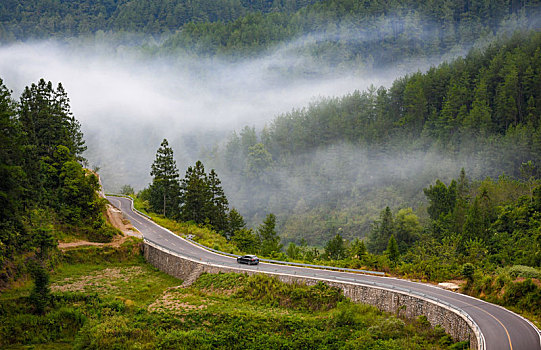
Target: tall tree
{"type": "Point", "coordinates": [165, 187]}
{"type": "Point", "coordinates": [11, 175]}
{"type": "Point", "coordinates": [47, 120]}
{"type": "Point", "coordinates": [196, 197]}
{"type": "Point", "coordinates": [236, 222]}
{"type": "Point", "coordinates": [218, 203]}
{"type": "Point", "coordinates": [442, 199]}
{"type": "Point", "coordinates": [246, 240]}
{"type": "Point", "coordinates": [392, 250]}
{"type": "Point", "coordinates": [266, 233]}
{"type": "Point", "coordinates": [407, 229]}
{"type": "Point", "coordinates": [381, 232]}
{"type": "Point", "coordinates": [335, 249]}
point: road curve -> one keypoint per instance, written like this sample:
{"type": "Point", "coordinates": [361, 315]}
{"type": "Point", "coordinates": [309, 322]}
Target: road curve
{"type": "Point", "coordinates": [502, 329]}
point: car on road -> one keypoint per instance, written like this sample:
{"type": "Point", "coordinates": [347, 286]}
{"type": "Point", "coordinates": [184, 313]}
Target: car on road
{"type": "Point", "coordinates": [248, 259]}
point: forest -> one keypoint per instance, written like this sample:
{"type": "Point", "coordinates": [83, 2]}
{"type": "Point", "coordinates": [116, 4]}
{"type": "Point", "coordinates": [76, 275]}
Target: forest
{"type": "Point", "coordinates": [45, 193]}
{"type": "Point", "coordinates": [338, 162]}
{"type": "Point", "coordinates": [338, 35]}
{"type": "Point", "coordinates": [44, 19]}
{"type": "Point", "coordinates": [433, 177]}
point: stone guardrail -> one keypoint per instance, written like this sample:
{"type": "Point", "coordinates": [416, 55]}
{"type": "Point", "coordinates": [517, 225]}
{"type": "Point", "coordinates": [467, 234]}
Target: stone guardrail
{"type": "Point", "coordinates": [192, 267]}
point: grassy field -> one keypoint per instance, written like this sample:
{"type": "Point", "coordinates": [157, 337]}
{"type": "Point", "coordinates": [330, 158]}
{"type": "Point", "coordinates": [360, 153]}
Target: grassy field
{"type": "Point", "coordinates": [109, 298]}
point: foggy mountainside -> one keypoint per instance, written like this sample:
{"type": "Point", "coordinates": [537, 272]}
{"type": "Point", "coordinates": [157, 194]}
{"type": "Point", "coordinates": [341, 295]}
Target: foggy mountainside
{"type": "Point", "coordinates": [192, 72]}
{"type": "Point", "coordinates": [193, 83]}
{"type": "Point", "coordinates": [336, 163]}
{"type": "Point", "coordinates": [401, 137]}
{"type": "Point", "coordinates": [44, 19]}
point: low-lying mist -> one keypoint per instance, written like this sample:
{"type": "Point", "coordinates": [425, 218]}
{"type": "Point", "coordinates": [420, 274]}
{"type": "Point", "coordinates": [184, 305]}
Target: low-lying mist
{"type": "Point", "coordinates": [341, 188]}
{"type": "Point", "coordinates": [128, 99]}
{"type": "Point", "coordinates": [127, 103]}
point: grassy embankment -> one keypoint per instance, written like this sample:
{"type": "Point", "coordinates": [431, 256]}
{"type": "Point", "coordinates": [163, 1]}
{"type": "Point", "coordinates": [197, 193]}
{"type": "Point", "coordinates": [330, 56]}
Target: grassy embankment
{"type": "Point", "coordinates": [108, 297]}
{"type": "Point", "coordinates": [517, 288]}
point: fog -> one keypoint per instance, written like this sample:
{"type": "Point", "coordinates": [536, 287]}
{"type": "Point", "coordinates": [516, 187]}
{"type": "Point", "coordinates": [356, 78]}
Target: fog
{"type": "Point", "coordinates": [127, 103]}
{"type": "Point", "coordinates": [342, 187]}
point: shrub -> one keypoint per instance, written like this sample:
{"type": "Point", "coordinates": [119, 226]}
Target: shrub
{"type": "Point", "coordinates": [388, 328]}
{"type": "Point", "coordinates": [271, 291]}
{"type": "Point", "coordinates": [518, 290]}
{"type": "Point", "coordinates": [524, 271]}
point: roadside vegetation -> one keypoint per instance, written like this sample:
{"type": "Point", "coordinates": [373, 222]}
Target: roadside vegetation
{"type": "Point", "coordinates": [105, 298]}
{"type": "Point", "coordinates": [485, 233]}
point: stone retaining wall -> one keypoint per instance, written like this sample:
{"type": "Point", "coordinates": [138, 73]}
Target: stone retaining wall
{"type": "Point", "coordinates": [396, 302]}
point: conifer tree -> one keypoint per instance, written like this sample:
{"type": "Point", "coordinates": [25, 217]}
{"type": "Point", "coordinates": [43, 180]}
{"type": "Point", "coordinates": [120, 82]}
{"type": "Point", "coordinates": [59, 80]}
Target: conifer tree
{"type": "Point", "coordinates": [381, 232]}
{"type": "Point", "coordinates": [196, 197]}
{"type": "Point", "coordinates": [266, 233]}
{"type": "Point", "coordinates": [11, 176]}
{"type": "Point", "coordinates": [334, 249]}
{"type": "Point", "coordinates": [47, 120]}
{"type": "Point", "coordinates": [236, 222]}
{"type": "Point", "coordinates": [218, 203]}
{"type": "Point", "coordinates": [392, 250]}
{"type": "Point", "coordinates": [246, 240]}
{"type": "Point", "coordinates": [165, 188]}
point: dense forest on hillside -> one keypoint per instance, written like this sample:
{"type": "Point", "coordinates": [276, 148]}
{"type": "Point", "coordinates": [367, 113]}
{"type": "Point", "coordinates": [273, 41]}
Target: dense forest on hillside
{"type": "Point", "coordinates": [45, 193]}
{"type": "Point", "coordinates": [342, 34]}
{"type": "Point", "coordinates": [44, 19]}
{"type": "Point", "coordinates": [336, 163]}
{"type": "Point", "coordinates": [360, 33]}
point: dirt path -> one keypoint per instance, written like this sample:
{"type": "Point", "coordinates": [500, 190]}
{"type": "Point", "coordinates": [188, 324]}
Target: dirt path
{"type": "Point", "coordinates": [115, 218]}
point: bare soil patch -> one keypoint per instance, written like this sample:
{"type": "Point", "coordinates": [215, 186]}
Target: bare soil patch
{"type": "Point", "coordinates": [174, 300]}
{"type": "Point", "coordinates": [100, 281]}
{"type": "Point", "coordinates": [115, 218]}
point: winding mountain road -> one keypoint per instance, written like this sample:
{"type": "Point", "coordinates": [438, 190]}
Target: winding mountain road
{"type": "Point", "coordinates": [502, 329]}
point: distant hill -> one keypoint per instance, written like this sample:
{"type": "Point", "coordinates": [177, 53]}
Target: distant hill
{"type": "Point", "coordinates": [342, 34]}
{"type": "Point", "coordinates": [45, 19]}
{"type": "Point", "coordinates": [336, 163]}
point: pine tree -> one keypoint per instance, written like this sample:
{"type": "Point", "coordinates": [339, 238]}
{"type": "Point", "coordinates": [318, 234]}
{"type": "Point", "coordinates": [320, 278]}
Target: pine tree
{"type": "Point", "coordinates": [218, 204]}
{"type": "Point", "coordinates": [267, 236]}
{"type": "Point", "coordinates": [47, 120]}
{"type": "Point", "coordinates": [442, 198]}
{"type": "Point", "coordinates": [381, 232]}
{"type": "Point", "coordinates": [196, 196]}
{"type": "Point", "coordinates": [236, 222]}
{"type": "Point", "coordinates": [334, 249]}
{"type": "Point", "coordinates": [357, 249]}
{"type": "Point", "coordinates": [392, 250]}
{"type": "Point", "coordinates": [11, 176]}
{"type": "Point", "coordinates": [165, 187]}
{"type": "Point", "coordinates": [245, 240]}
{"type": "Point", "coordinates": [40, 295]}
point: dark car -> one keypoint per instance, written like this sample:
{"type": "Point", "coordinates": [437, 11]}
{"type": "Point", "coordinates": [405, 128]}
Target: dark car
{"type": "Point", "coordinates": [248, 259]}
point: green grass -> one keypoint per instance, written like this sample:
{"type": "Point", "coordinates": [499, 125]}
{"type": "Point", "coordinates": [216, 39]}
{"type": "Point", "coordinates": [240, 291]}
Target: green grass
{"type": "Point", "coordinates": [114, 300]}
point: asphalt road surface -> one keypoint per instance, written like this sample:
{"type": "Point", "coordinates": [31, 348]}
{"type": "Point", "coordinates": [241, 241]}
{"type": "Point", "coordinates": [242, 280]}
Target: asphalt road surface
{"type": "Point", "coordinates": [502, 329]}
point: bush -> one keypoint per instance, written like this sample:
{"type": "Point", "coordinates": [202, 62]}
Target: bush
{"type": "Point", "coordinates": [388, 328]}
{"type": "Point", "coordinates": [348, 314]}
{"type": "Point", "coordinates": [103, 234]}
{"type": "Point", "coordinates": [56, 325]}
{"type": "Point", "coordinates": [524, 271]}
{"type": "Point", "coordinates": [518, 290]}
{"type": "Point", "coordinates": [272, 291]}
{"type": "Point", "coordinates": [115, 332]}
